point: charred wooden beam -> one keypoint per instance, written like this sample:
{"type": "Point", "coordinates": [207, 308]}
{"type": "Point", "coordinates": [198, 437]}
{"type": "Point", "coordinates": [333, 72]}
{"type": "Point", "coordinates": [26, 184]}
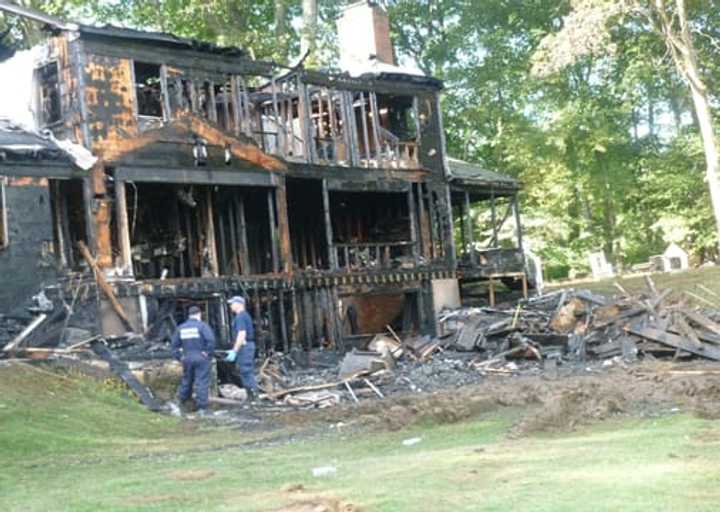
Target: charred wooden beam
{"type": "Point", "coordinates": [123, 227]}
{"type": "Point", "coordinates": [412, 215]}
{"type": "Point", "coordinates": [274, 238]}
{"type": "Point", "coordinates": [210, 238]}
{"type": "Point", "coordinates": [332, 254]}
{"type": "Point", "coordinates": [283, 226]}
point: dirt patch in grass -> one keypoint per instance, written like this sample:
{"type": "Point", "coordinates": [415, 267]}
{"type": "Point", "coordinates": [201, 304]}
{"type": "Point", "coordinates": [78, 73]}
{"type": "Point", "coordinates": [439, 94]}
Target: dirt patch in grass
{"type": "Point", "coordinates": [190, 475]}
{"type": "Point", "coordinates": [151, 500]}
{"type": "Point", "coordinates": [318, 505]}
{"type": "Point", "coordinates": [549, 405]}
{"type": "Point", "coordinates": [569, 408]}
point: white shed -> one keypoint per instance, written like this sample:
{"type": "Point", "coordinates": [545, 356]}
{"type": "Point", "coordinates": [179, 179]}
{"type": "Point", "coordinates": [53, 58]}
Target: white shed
{"type": "Point", "coordinates": [599, 265]}
{"type": "Point", "coordinates": [675, 258]}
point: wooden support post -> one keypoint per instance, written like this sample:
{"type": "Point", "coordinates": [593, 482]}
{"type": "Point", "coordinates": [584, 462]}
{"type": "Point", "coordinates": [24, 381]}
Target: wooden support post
{"type": "Point", "coordinates": [491, 292]}
{"type": "Point", "coordinates": [349, 128]}
{"type": "Point", "coordinates": [424, 225]}
{"type": "Point", "coordinates": [366, 134]}
{"type": "Point", "coordinates": [270, 347]}
{"type": "Point", "coordinates": [257, 318]}
{"type": "Point", "coordinates": [376, 128]}
{"type": "Point", "coordinates": [518, 224]}
{"type": "Point", "coordinates": [469, 228]}
{"type": "Point", "coordinates": [56, 200]}
{"type": "Point", "coordinates": [332, 254]}
{"type": "Point", "coordinates": [307, 122]}
{"type": "Point", "coordinates": [283, 224]}
{"type": "Point", "coordinates": [274, 239]}
{"type": "Point", "coordinates": [283, 322]}
{"type": "Point", "coordinates": [123, 227]}
{"type": "Point", "coordinates": [237, 104]}
{"type": "Point", "coordinates": [210, 233]}
{"type": "Point", "coordinates": [223, 259]}
{"type": "Point", "coordinates": [167, 113]}
{"type": "Point", "coordinates": [191, 248]}
{"type": "Point", "coordinates": [295, 329]}
{"type": "Point", "coordinates": [193, 96]}
{"type": "Point", "coordinates": [242, 235]}
{"type": "Point", "coordinates": [280, 143]}
{"type": "Point", "coordinates": [307, 318]}
{"type": "Point", "coordinates": [447, 231]}
{"type": "Point", "coordinates": [211, 105]}
{"type": "Point", "coordinates": [412, 216]}
{"type": "Point", "coordinates": [336, 314]}
{"type": "Point", "coordinates": [232, 228]}
{"type": "Point", "coordinates": [226, 106]}
{"type": "Point", "coordinates": [435, 240]}
{"type": "Point", "coordinates": [88, 202]}
{"type": "Point", "coordinates": [493, 217]}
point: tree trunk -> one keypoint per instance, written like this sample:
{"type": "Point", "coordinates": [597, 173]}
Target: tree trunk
{"type": "Point", "coordinates": [703, 110]}
{"type": "Point", "coordinates": [705, 120]}
{"type": "Point", "coordinates": [682, 48]}
{"type": "Point", "coordinates": [308, 39]}
{"type": "Point", "coordinates": [280, 17]}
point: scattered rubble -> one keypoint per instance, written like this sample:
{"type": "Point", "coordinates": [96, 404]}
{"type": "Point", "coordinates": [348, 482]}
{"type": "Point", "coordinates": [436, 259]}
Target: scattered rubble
{"type": "Point", "coordinates": [539, 335]}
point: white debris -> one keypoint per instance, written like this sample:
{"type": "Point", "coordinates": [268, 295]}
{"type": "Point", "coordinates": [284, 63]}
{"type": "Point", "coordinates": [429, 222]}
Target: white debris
{"type": "Point", "coordinates": [412, 441]}
{"type": "Point", "coordinates": [324, 471]}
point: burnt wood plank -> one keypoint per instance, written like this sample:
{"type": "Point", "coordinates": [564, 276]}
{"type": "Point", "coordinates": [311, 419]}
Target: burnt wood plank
{"type": "Point", "coordinates": [678, 342]}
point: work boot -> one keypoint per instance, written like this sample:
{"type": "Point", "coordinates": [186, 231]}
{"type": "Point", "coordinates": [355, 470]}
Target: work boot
{"type": "Point", "coordinates": [251, 396]}
{"type": "Point", "coordinates": [202, 413]}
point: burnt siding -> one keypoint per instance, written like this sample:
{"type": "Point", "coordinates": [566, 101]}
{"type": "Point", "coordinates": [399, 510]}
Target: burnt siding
{"type": "Point", "coordinates": [26, 264]}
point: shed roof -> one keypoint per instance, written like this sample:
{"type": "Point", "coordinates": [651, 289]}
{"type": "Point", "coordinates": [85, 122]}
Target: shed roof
{"type": "Point", "coordinates": [474, 174]}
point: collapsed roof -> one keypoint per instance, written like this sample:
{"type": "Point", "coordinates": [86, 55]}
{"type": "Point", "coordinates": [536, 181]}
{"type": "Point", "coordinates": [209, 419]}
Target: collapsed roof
{"type": "Point", "coordinates": [19, 144]}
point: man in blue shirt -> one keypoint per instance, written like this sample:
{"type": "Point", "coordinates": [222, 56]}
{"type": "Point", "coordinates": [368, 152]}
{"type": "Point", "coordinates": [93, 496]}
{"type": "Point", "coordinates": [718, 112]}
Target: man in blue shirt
{"type": "Point", "coordinates": [193, 344]}
{"type": "Point", "coordinates": [243, 352]}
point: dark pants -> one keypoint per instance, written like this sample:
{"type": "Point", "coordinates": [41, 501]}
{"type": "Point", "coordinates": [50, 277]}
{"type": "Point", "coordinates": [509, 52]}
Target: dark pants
{"type": "Point", "coordinates": [246, 366]}
{"type": "Point", "coordinates": [196, 373]}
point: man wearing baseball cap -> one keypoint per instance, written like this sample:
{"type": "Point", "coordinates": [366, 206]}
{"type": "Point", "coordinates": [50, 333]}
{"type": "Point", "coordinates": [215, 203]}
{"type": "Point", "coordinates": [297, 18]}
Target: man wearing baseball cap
{"type": "Point", "coordinates": [193, 344]}
{"type": "Point", "coordinates": [243, 352]}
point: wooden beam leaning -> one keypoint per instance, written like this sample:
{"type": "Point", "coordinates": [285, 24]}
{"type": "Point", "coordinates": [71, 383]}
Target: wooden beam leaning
{"type": "Point", "coordinates": [104, 285]}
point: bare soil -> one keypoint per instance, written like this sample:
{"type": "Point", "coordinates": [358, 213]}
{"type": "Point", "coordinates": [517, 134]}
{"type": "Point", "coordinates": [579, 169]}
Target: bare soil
{"type": "Point", "coordinates": [547, 404]}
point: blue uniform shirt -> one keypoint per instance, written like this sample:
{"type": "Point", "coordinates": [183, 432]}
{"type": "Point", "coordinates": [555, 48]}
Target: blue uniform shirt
{"type": "Point", "coordinates": [243, 322]}
{"type": "Point", "coordinates": [194, 337]}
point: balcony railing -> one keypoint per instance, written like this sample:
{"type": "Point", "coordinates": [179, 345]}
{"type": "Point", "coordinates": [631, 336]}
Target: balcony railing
{"type": "Point", "coordinates": [380, 255]}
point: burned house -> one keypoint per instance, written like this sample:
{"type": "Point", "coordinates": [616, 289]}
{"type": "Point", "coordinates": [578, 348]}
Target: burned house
{"type": "Point", "coordinates": [327, 199]}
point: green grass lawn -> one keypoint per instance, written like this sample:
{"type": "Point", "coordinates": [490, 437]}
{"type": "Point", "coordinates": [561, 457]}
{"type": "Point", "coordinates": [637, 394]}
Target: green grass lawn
{"type": "Point", "coordinates": [679, 281]}
{"type": "Point", "coordinates": [67, 445]}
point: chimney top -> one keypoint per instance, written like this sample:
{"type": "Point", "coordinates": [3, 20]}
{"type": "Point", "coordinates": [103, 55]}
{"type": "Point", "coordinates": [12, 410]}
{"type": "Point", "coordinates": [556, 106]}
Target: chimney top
{"type": "Point", "coordinates": [364, 35]}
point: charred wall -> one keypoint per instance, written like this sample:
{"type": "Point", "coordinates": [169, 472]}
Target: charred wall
{"type": "Point", "coordinates": [27, 261]}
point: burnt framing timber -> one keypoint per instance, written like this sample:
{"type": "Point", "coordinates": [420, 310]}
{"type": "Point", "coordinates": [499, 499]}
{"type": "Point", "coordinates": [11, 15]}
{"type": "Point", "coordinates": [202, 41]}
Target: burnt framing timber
{"type": "Point", "coordinates": [306, 192]}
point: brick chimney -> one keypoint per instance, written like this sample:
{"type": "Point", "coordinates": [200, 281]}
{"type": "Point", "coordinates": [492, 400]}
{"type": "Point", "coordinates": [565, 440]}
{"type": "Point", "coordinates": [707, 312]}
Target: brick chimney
{"type": "Point", "coordinates": [364, 35]}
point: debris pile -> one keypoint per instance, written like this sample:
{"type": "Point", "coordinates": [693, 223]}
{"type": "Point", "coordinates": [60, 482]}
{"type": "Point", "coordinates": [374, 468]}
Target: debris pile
{"type": "Point", "coordinates": [579, 325]}
{"type": "Point", "coordinates": [566, 327]}
{"type": "Point", "coordinates": [575, 329]}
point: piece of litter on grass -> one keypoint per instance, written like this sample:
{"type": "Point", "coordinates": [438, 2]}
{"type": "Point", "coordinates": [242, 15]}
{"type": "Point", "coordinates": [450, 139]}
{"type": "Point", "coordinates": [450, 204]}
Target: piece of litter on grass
{"type": "Point", "coordinates": [324, 471]}
{"type": "Point", "coordinates": [411, 441]}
